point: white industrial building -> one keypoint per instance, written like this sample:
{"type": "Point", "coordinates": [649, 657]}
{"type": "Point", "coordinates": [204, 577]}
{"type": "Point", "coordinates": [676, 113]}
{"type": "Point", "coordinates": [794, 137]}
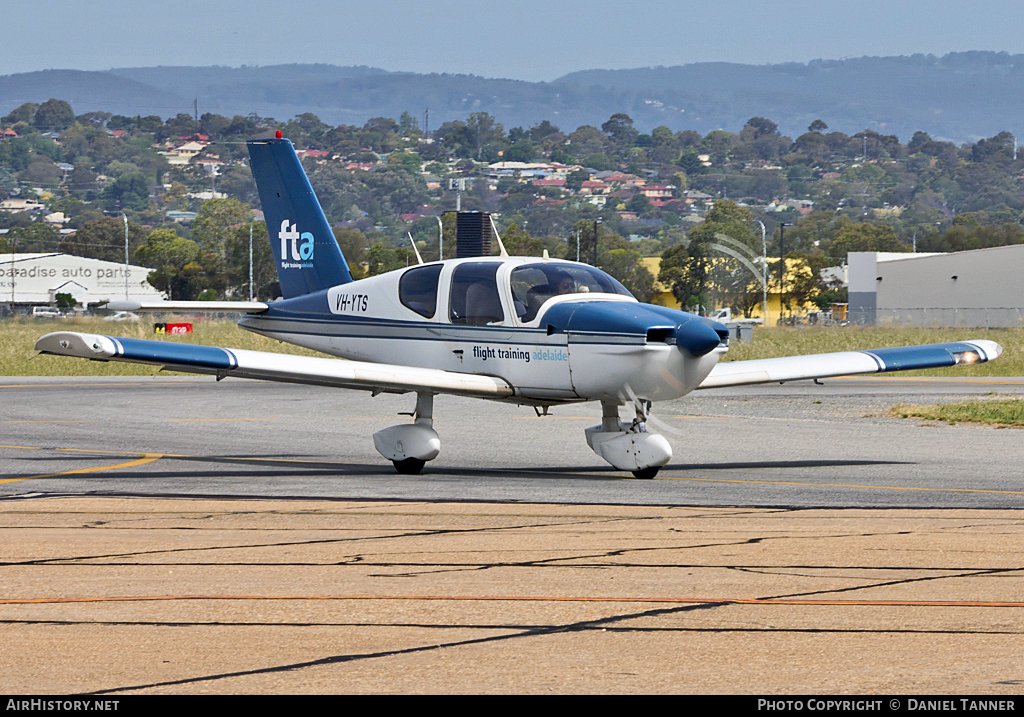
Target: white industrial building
{"type": "Point", "coordinates": [28, 280]}
{"type": "Point", "coordinates": [975, 288]}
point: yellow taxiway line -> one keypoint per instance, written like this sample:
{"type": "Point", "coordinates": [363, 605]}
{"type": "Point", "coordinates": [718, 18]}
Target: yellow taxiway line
{"type": "Point", "coordinates": [147, 458]}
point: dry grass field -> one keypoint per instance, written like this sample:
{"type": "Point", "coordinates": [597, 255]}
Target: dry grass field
{"type": "Point", "coordinates": [18, 336]}
{"type": "Point", "coordinates": [17, 357]}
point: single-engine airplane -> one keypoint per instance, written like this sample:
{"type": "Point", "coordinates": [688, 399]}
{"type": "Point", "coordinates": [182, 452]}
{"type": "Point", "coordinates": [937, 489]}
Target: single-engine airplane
{"type": "Point", "coordinates": [522, 330]}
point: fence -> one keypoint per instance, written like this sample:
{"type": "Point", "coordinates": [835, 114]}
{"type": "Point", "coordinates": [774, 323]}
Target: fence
{"type": "Point", "coordinates": [988, 317]}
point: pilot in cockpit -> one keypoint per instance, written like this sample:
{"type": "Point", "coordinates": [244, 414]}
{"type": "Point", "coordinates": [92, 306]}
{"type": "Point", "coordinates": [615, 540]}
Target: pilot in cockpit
{"type": "Point", "coordinates": [564, 283]}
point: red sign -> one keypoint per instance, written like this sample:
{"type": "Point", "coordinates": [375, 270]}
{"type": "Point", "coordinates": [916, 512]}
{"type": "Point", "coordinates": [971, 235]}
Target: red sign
{"type": "Point", "coordinates": [172, 328]}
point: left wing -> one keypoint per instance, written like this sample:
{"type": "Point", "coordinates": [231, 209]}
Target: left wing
{"type": "Point", "coordinates": [268, 366]}
{"type": "Point", "coordinates": [251, 307]}
{"type": "Point", "coordinates": [847, 363]}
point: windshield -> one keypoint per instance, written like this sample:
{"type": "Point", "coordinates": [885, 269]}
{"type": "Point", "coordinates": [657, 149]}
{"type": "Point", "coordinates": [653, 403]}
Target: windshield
{"type": "Point", "coordinates": [533, 284]}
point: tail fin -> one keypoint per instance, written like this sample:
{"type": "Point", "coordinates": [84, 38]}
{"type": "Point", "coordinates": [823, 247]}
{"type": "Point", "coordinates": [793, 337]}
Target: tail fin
{"type": "Point", "coordinates": [307, 256]}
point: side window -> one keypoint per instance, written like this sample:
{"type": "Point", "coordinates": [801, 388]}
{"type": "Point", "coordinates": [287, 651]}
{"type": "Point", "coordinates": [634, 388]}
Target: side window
{"type": "Point", "coordinates": [474, 297]}
{"type": "Point", "coordinates": [417, 289]}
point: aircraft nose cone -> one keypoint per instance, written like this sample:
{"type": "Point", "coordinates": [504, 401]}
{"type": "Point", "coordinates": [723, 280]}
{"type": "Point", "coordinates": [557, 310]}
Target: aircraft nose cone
{"type": "Point", "coordinates": [696, 337]}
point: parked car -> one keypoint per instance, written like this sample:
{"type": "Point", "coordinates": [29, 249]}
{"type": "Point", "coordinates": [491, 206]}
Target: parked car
{"type": "Point", "coordinates": [45, 312]}
{"type": "Point", "coordinates": [122, 316]}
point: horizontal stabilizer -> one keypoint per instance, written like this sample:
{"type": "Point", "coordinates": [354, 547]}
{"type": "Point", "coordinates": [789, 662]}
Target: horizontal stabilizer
{"type": "Point", "coordinates": [268, 366]}
{"type": "Point", "coordinates": [848, 363]}
{"type": "Point", "coordinates": [250, 307]}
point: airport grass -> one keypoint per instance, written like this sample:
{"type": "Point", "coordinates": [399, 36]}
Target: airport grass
{"type": "Point", "coordinates": [789, 341]}
{"type": "Point", "coordinates": [17, 337]}
{"type": "Point", "coordinates": [998, 412]}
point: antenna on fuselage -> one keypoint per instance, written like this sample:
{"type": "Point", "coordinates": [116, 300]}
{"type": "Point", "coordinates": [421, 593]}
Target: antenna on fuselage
{"type": "Point", "coordinates": [496, 236]}
{"type": "Point", "coordinates": [419, 259]}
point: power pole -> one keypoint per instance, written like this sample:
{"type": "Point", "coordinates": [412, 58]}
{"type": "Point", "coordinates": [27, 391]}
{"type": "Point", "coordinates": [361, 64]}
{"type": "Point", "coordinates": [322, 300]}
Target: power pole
{"type": "Point", "coordinates": [124, 216]}
{"type": "Point", "coordinates": [782, 261]}
{"type": "Point", "coordinates": [250, 261]}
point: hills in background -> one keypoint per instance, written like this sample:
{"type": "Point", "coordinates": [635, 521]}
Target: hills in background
{"type": "Point", "coordinates": [958, 97]}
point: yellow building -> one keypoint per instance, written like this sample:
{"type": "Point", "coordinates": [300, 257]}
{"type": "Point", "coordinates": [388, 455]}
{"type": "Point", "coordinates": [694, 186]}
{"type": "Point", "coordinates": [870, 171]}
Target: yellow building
{"type": "Point", "coordinates": [663, 295]}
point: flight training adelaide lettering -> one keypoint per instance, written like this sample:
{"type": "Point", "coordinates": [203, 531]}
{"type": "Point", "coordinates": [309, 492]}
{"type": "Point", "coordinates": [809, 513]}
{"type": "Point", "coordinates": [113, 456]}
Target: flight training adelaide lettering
{"type": "Point", "coordinates": [300, 254]}
{"type": "Point", "coordinates": [485, 352]}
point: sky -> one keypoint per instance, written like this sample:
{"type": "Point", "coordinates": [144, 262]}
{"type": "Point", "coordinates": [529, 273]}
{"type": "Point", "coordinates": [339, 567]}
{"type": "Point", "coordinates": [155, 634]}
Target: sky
{"type": "Point", "coordinates": [535, 40]}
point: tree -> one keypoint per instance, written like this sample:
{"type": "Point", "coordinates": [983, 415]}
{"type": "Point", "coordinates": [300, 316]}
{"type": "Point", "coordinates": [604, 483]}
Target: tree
{"type": "Point", "coordinates": [64, 301]}
{"type": "Point", "coordinates": [521, 151]}
{"type": "Point", "coordinates": [264, 271]}
{"type": "Point", "coordinates": [619, 129]}
{"type": "Point", "coordinates": [129, 191]}
{"type": "Point", "coordinates": [587, 140]}
{"type": "Point", "coordinates": [686, 271]}
{"type": "Point", "coordinates": [181, 268]}
{"type": "Point", "coordinates": [54, 114]}
{"type": "Point", "coordinates": [381, 259]}
{"type": "Point", "coordinates": [22, 113]}
{"type": "Point", "coordinates": [576, 178]}
{"type": "Point", "coordinates": [215, 223]}
{"type": "Point", "coordinates": [408, 126]}
{"type": "Point", "coordinates": [817, 126]}
{"type": "Point", "coordinates": [97, 119]}
{"type": "Point", "coordinates": [863, 237]}
{"type": "Point", "coordinates": [626, 265]}
{"type": "Point", "coordinates": [352, 243]}
{"type": "Point", "coordinates": [35, 237]}
{"type": "Point", "coordinates": [518, 242]}
{"type": "Point", "coordinates": [410, 161]}
{"type": "Point", "coordinates": [695, 277]}
{"type": "Point", "coordinates": [103, 239]}
{"type": "Point", "coordinates": [638, 203]}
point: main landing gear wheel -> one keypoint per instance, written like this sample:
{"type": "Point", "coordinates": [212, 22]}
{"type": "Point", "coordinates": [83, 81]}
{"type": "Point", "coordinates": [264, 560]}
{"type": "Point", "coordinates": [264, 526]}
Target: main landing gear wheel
{"type": "Point", "coordinates": [412, 466]}
{"type": "Point", "coordinates": [646, 473]}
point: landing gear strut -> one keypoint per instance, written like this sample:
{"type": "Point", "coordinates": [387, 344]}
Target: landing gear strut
{"type": "Point", "coordinates": [410, 445]}
{"type": "Point", "coordinates": [629, 447]}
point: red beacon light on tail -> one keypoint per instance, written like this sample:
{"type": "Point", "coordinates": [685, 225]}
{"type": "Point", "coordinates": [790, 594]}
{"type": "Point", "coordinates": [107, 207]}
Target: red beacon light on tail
{"type": "Point", "coordinates": [279, 134]}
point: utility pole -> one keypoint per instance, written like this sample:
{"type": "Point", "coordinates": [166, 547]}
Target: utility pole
{"type": "Point", "coordinates": [597, 223]}
{"type": "Point", "coordinates": [782, 261]}
{"type": "Point", "coordinates": [14, 247]}
{"type": "Point", "coordinates": [250, 261]}
{"type": "Point", "coordinates": [440, 238]}
{"type": "Point", "coordinates": [123, 216]}
{"type": "Point", "coordinates": [764, 271]}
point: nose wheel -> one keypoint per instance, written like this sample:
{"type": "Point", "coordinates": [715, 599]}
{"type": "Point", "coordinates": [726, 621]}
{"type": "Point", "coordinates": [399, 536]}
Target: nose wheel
{"type": "Point", "coordinates": [629, 447]}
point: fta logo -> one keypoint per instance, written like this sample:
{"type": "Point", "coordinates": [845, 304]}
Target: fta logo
{"type": "Point", "coordinates": [300, 245]}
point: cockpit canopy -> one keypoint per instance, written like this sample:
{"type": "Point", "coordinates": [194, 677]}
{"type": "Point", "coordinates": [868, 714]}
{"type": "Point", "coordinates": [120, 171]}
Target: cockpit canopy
{"type": "Point", "coordinates": [533, 284]}
{"type": "Point", "coordinates": [475, 296]}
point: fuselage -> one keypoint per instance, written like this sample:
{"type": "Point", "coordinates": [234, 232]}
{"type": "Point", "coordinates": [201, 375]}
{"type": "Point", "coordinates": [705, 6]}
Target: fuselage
{"type": "Point", "coordinates": [556, 331]}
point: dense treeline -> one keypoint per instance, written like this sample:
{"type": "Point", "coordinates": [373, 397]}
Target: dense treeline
{"type": "Point", "coordinates": [839, 193]}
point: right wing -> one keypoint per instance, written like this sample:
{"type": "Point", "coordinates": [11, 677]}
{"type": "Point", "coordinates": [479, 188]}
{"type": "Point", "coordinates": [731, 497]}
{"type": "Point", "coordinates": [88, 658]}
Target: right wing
{"type": "Point", "coordinates": [848, 363]}
{"type": "Point", "coordinates": [286, 368]}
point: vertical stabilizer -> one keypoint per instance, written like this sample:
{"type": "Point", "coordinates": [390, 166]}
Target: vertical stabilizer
{"type": "Point", "coordinates": [306, 254]}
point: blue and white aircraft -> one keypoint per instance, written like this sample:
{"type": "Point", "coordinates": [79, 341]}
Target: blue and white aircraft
{"type": "Point", "coordinates": [528, 331]}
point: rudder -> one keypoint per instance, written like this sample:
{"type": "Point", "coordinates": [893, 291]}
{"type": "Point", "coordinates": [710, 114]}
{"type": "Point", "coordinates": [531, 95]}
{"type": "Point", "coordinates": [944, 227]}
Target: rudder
{"type": "Point", "coordinates": [306, 254]}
